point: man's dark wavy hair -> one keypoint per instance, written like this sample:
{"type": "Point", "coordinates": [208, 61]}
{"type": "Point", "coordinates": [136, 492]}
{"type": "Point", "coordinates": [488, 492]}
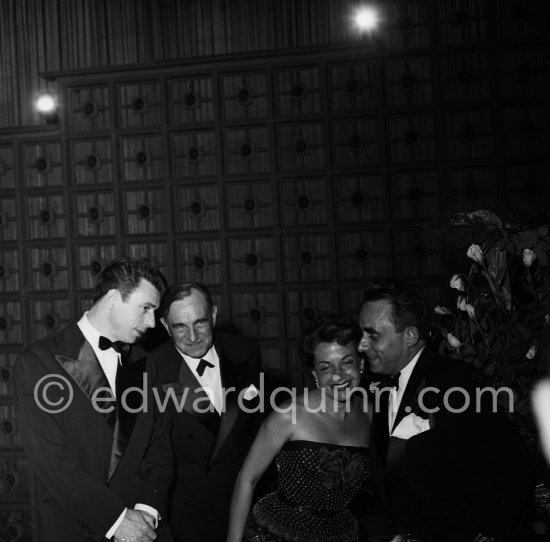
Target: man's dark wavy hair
{"type": "Point", "coordinates": [124, 274]}
{"type": "Point", "coordinates": [408, 306]}
{"type": "Point", "coordinates": [329, 328]}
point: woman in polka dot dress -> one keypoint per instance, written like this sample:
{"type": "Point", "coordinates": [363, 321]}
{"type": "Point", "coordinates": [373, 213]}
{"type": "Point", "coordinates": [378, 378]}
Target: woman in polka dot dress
{"type": "Point", "coordinates": [319, 441]}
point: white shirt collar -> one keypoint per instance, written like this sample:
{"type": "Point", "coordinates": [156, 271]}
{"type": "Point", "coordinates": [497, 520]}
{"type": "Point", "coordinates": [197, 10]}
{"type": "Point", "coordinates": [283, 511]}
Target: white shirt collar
{"type": "Point", "coordinates": [210, 356]}
{"type": "Point", "coordinates": [90, 332]}
{"type": "Point", "coordinates": [408, 369]}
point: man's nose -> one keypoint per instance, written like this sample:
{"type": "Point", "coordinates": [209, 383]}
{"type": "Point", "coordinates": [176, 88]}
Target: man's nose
{"type": "Point", "coordinates": [150, 320]}
{"type": "Point", "coordinates": [364, 344]}
{"type": "Point", "coordinates": [192, 335]}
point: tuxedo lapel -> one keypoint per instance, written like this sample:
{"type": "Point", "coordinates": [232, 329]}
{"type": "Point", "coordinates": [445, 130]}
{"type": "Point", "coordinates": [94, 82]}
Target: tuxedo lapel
{"type": "Point", "coordinates": [86, 371]}
{"type": "Point", "coordinates": [129, 375]}
{"type": "Point", "coordinates": [188, 394]}
{"type": "Point", "coordinates": [396, 446]}
{"type": "Point", "coordinates": [416, 383]}
{"type": "Point", "coordinates": [230, 407]}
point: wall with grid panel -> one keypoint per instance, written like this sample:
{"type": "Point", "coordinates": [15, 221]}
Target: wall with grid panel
{"type": "Point", "coordinates": [283, 182]}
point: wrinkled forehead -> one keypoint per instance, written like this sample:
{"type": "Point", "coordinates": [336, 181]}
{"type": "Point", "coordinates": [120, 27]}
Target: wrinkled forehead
{"type": "Point", "coordinates": [376, 315]}
{"type": "Point", "coordinates": [189, 309]}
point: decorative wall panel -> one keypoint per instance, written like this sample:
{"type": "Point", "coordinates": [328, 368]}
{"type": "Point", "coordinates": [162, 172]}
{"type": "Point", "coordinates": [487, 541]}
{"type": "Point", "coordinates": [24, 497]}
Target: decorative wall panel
{"type": "Point", "coordinates": [246, 150]}
{"type": "Point", "coordinates": [301, 146]}
{"type": "Point", "coordinates": [8, 218]}
{"type": "Point", "coordinates": [46, 217]}
{"type": "Point", "coordinates": [7, 167]}
{"type": "Point", "coordinates": [89, 260]}
{"type": "Point", "coordinates": [139, 104]}
{"type": "Point", "coordinates": [408, 82]}
{"type": "Point", "coordinates": [465, 77]}
{"type": "Point", "coordinates": [9, 271]}
{"type": "Point", "coordinates": [252, 260]}
{"type": "Point", "coordinates": [191, 100]}
{"type": "Point", "coordinates": [194, 153]}
{"type": "Point", "coordinates": [92, 161]}
{"type": "Point", "coordinates": [249, 205]}
{"type": "Point", "coordinates": [11, 322]}
{"type": "Point", "coordinates": [359, 199]}
{"type": "Point", "coordinates": [142, 158]}
{"type": "Point", "coordinates": [298, 91]}
{"type": "Point", "coordinates": [199, 261]}
{"type": "Point", "coordinates": [245, 95]}
{"type": "Point", "coordinates": [352, 86]}
{"type": "Point", "coordinates": [411, 138]}
{"type": "Point", "coordinates": [303, 201]}
{"type": "Point", "coordinates": [43, 164]}
{"type": "Point", "coordinates": [306, 257]}
{"type": "Point", "coordinates": [89, 109]}
{"type": "Point", "coordinates": [196, 208]}
{"type": "Point", "coordinates": [255, 313]}
{"type": "Point", "coordinates": [415, 195]}
{"type": "Point", "coordinates": [355, 143]}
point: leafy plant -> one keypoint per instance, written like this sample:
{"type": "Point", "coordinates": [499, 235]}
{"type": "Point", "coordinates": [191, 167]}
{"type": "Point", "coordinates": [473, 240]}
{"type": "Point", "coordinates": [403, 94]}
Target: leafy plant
{"type": "Point", "coordinates": [502, 303]}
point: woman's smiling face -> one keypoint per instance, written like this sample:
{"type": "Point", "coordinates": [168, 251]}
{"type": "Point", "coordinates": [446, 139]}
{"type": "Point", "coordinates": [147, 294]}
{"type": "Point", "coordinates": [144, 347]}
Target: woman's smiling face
{"type": "Point", "coordinates": [337, 368]}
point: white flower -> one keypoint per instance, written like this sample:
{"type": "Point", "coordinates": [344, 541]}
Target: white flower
{"type": "Point", "coordinates": [461, 303]}
{"type": "Point", "coordinates": [443, 311]}
{"type": "Point", "coordinates": [453, 341]}
{"type": "Point", "coordinates": [457, 282]}
{"type": "Point", "coordinates": [410, 426]}
{"type": "Point", "coordinates": [475, 253]}
{"type": "Point", "coordinates": [471, 311]}
{"type": "Point", "coordinates": [528, 257]}
{"type": "Point", "coordinates": [531, 353]}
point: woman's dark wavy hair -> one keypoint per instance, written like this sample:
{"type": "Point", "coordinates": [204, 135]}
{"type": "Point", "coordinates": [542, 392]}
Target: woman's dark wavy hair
{"type": "Point", "coordinates": [124, 274]}
{"type": "Point", "coordinates": [408, 307]}
{"type": "Point", "coordinates": [329, 328]}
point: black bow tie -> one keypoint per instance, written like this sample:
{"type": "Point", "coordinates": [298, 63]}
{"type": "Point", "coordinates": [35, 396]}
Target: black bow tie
{"type": "Point", "coordinates": [203, 364]}
{"type": "Point", "coordinates": [390, 382]}
{"type": "Point", "coordinates": [121, 347]}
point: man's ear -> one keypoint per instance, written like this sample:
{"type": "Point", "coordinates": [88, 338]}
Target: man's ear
{"type": "Point", "coordinates": [214, 314]}
{"type": "Point", "coordinates": [112, 296]}
{"type": "Point", "coordinates": [412, 336]}
{"type": "Point", "coordinates": [165, 324]}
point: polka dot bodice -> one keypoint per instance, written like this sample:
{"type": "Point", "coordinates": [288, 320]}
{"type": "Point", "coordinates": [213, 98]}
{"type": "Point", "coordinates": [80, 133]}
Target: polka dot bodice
{"type": "Point", "coordinates": [316, 483]}
{"type": "Point", "coordinates": [320, 476]}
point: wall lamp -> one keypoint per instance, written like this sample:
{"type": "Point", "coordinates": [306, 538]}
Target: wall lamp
{"type": "Point", "coordinates": [46, 106]}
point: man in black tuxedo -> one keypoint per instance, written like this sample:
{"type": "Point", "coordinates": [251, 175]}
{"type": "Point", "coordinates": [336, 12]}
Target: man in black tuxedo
{"type": "Point", "coordinates": [211, 379]}
{"type": "Point", "coordinates": [446, 470]}
{"type": "Point", "coordinates": [100, 449]}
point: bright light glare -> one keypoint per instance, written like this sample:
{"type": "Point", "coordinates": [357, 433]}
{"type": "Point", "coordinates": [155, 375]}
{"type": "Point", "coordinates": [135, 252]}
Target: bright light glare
{"type": "Point", "coordinates": [45, 103]}
{"type": "Point", "coordinates": [366, 19]}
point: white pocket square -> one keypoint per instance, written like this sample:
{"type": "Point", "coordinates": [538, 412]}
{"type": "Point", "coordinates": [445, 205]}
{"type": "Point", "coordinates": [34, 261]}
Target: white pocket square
{"type": "Point", "coordinates": [410, 426]}
{"type": "Point", "coordinates": [250, 392]}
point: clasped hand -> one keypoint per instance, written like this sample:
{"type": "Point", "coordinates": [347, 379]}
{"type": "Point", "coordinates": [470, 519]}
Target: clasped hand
{"type": "Point", "coordinates": [136, 526]}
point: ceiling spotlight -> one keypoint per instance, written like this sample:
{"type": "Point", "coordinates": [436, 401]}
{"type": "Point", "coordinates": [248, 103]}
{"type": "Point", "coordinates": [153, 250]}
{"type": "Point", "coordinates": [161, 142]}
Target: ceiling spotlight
{"type": "Point", "coordinates": [366, 18]}
{"type": "Point", "coordinates": [46, 105]}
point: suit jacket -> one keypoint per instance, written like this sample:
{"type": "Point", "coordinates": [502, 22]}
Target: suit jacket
{"type": "Point", "coordinates": [208, 460]}
{"type": "Point", "coordinates": [469, 473]}
{"type": "Point", "coordinates": [84, 484]}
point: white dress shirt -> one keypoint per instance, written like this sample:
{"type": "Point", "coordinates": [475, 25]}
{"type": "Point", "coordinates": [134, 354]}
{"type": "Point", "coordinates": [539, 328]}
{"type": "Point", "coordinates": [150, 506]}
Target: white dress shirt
{"type": "Point", "coordinates": [397, 395]}
{"type": "Point", "coordinates": [211, 379]}
{"type": "Point", "coordinates": [109, 360]}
